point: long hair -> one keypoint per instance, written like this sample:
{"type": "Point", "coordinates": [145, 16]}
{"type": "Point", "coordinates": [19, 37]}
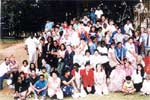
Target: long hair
{"type": "Point", "coordinates": [142, 70]}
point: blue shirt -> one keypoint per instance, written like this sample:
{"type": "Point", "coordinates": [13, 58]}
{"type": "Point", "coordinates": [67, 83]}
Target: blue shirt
{"type": "Point", "coordinates": [40, 84]}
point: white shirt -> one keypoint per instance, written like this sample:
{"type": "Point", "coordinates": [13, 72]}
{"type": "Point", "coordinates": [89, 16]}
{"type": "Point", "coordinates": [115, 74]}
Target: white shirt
{"type": "Point", "coordinates": [32, 44]}
{"type": "Point", "coordinates": [119, 38]}
{"type": "Point", "coordinates": [128, 29]}
{"type": "Point", "coordinates": [25, 69]}
{"type": "Point", "coordinates": [137, 78]}
{"type": "Point", "coordinates": [99, 13]}
{"type": "Point", "coordinates": [4, 69]}
{"type": "Point", "coordinates": [130, 48]}
{"type": "Point", "coordinates": [103, 50]}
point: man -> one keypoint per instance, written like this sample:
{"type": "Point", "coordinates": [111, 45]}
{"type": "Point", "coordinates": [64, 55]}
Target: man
{"type": "Point", "coordinates": [49, 25]}
{"type": "Point", "coordinates": [4, 71]}
{"type": "Point", "coordinates": [40, 88]}
{"type": "Point", "coordinates": [31, 45]}
{"type": "Point", "coordinates": [128, 27]}
{"type": "Point", "coordinates": [147, 42]}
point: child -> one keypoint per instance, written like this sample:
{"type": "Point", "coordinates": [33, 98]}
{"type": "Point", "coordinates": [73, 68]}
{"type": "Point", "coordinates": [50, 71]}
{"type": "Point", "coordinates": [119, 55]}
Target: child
{"type": "Point", "coordinates": [128, 87]}
{"type": "Point", "coordinates": [146, 86]}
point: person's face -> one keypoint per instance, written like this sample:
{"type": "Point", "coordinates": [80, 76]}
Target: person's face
{"type": "Point", "coordinates": [119, 45]}
{"type": "Point", "coordinates": [128, 22]}
{"type": "Point", "coordinates": [103, 18]}
{"type": "Point", "coordinates": [68, 73]}
{"type": "Point", "coordinates": [119, 30]}
{"type": "Point", "coordinates": [112, 46]}
{"type": "Point", "coordinates": [32, 65]}
{"type": "Point", "coordinates": [131, 41]}
{"type": "Point", "coordinates": [87, 54]}
{"type": "Point", "coordinates": [62, 47]}
{"type": "Point", "coordinates": [22, 75]}
{"type": "Point", "coordinates": [41, 78]}
{"type": "Point", "coordinates": [87, 68]}
{"type": "Point", "coordinates": [25, 64]}
{"type": "Point", "coordinates": [54, 75]}
{"type": "Point", "coordinates": [139, 68]}
{"type": "Point", "coordinates": [19, 79]}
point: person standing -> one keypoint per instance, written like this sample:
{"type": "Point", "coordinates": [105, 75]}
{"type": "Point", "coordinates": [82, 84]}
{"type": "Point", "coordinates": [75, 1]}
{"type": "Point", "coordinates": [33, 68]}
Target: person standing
{"type": "Point", "coordinates": [31, 45]}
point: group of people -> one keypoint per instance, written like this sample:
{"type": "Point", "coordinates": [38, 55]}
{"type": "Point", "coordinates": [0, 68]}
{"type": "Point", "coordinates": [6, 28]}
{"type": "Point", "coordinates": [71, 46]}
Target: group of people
{"type": "Point", "coordinates": [90, 55]}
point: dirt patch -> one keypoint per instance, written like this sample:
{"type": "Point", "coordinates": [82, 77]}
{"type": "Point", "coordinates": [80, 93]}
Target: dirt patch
{"type": "Point", "coordinates": [17, 50]}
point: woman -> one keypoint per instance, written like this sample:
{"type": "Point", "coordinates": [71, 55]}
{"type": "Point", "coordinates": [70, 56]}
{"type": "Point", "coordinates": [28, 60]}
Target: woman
{"type": "Point", "coordinates": [128, 68]}
{"type": "Point", "coordinates": [33, 68]}
{"type": "Point", "coordinates": [137, 77]}
{"type": "Point", "coordinates": [117, 78]}
{"type": "Point", "coordinates": [25, 67]}
{"type": "Point", "coordinates": [100, 81]}
{"type": "Point", "coordinates": [61, 55]}
{"type": "Point", "coordinates": [111, 55]}
{"type": "Point", "coordinates": [54, 86]}
{"type": "Point", "coordinates": [87, 76]}
{"type": "Point", "coordinates": [131, 53]}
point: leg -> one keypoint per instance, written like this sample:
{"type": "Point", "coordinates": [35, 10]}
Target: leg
{"type": "Point", "coordinates": [59, 95]}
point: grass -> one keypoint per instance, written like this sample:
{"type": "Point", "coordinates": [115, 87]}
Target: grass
{"type": "Point", "coordinates": [111, 96]}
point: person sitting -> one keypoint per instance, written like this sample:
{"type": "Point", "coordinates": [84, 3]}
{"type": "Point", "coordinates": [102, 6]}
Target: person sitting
{"type": "Point", "coordinates": [87, 76]}
{"type": "Point", "coordinates": [40, 88]}
{"type": "Point", "coordinates": [32, 79]}
{"type": "Point", "coordinates": [67, 83]}
{"type": "Point", "coordinates": [54, 88]}
{"type": "Point", "coordinates": [145, 90]}
{"type": "Point", "coordinates": [4, 71]}
{"type": "Point", "coordinates": [128, 87]}
{"type": "Point", "coordinates": [20, 90]}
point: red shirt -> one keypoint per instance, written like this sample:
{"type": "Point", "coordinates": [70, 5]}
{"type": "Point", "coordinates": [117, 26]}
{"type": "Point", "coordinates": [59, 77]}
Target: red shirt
{"type": "Point", "coordinates": [88, 79]}
{"type": "Point", "coordinates": [147, 64]}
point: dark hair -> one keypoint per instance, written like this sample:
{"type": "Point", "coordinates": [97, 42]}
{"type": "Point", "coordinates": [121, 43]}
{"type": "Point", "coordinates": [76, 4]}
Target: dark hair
{"type": "Point", "coordinates": [128, 77]}
{"type": "Point", "coordinates": [63, 45]}
{"type": "Point", "coordinates": [55, 73]}
{"type": "Point", "coordinates": [101, 66]}
{"type": "Point", "coordinates": [87, 51]}
{"type": "Point", "coordinates": [41, 75]}
{"type": "Point", "coordinates": [66, 71]}
{"type": "Point", "coordinates": [76, 66]}
{"type": "Point", "coordinates": [87, 63]}
{"type": "Point", "coordinates": [25, 61]}
{"type": "Point", "coordinates": [32, 68]}
{"type": "Point", "coordinates": [142, 70]}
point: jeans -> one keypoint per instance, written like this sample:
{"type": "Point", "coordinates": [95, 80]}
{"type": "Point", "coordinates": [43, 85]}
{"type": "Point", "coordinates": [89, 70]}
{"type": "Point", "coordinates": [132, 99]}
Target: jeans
{"type": "Point", "coordinates": [42, 93]}
{"type": "Point", "coordinates": [5, 76]}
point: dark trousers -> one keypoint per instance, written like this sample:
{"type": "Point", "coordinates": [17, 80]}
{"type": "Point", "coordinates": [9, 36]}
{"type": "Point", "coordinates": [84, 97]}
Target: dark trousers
{"type": "Point", "coordinates": [92, 90]}
{"type": "Point", "coordinates": [5, 76]}
{"type": "Point", "coordinates": [138, 86]}
{"type": "Point", "coordinates": [107, 69]}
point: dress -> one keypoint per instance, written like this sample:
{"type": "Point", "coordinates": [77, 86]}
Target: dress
{"type": "Point", "coordinates": [146, 87]}
{"type": "Point", "coordinates": [55, 88]}
{"type": "Point", "coordinates": [117, 77]}
{"type": "Point", "coordinates": [100, 83]}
